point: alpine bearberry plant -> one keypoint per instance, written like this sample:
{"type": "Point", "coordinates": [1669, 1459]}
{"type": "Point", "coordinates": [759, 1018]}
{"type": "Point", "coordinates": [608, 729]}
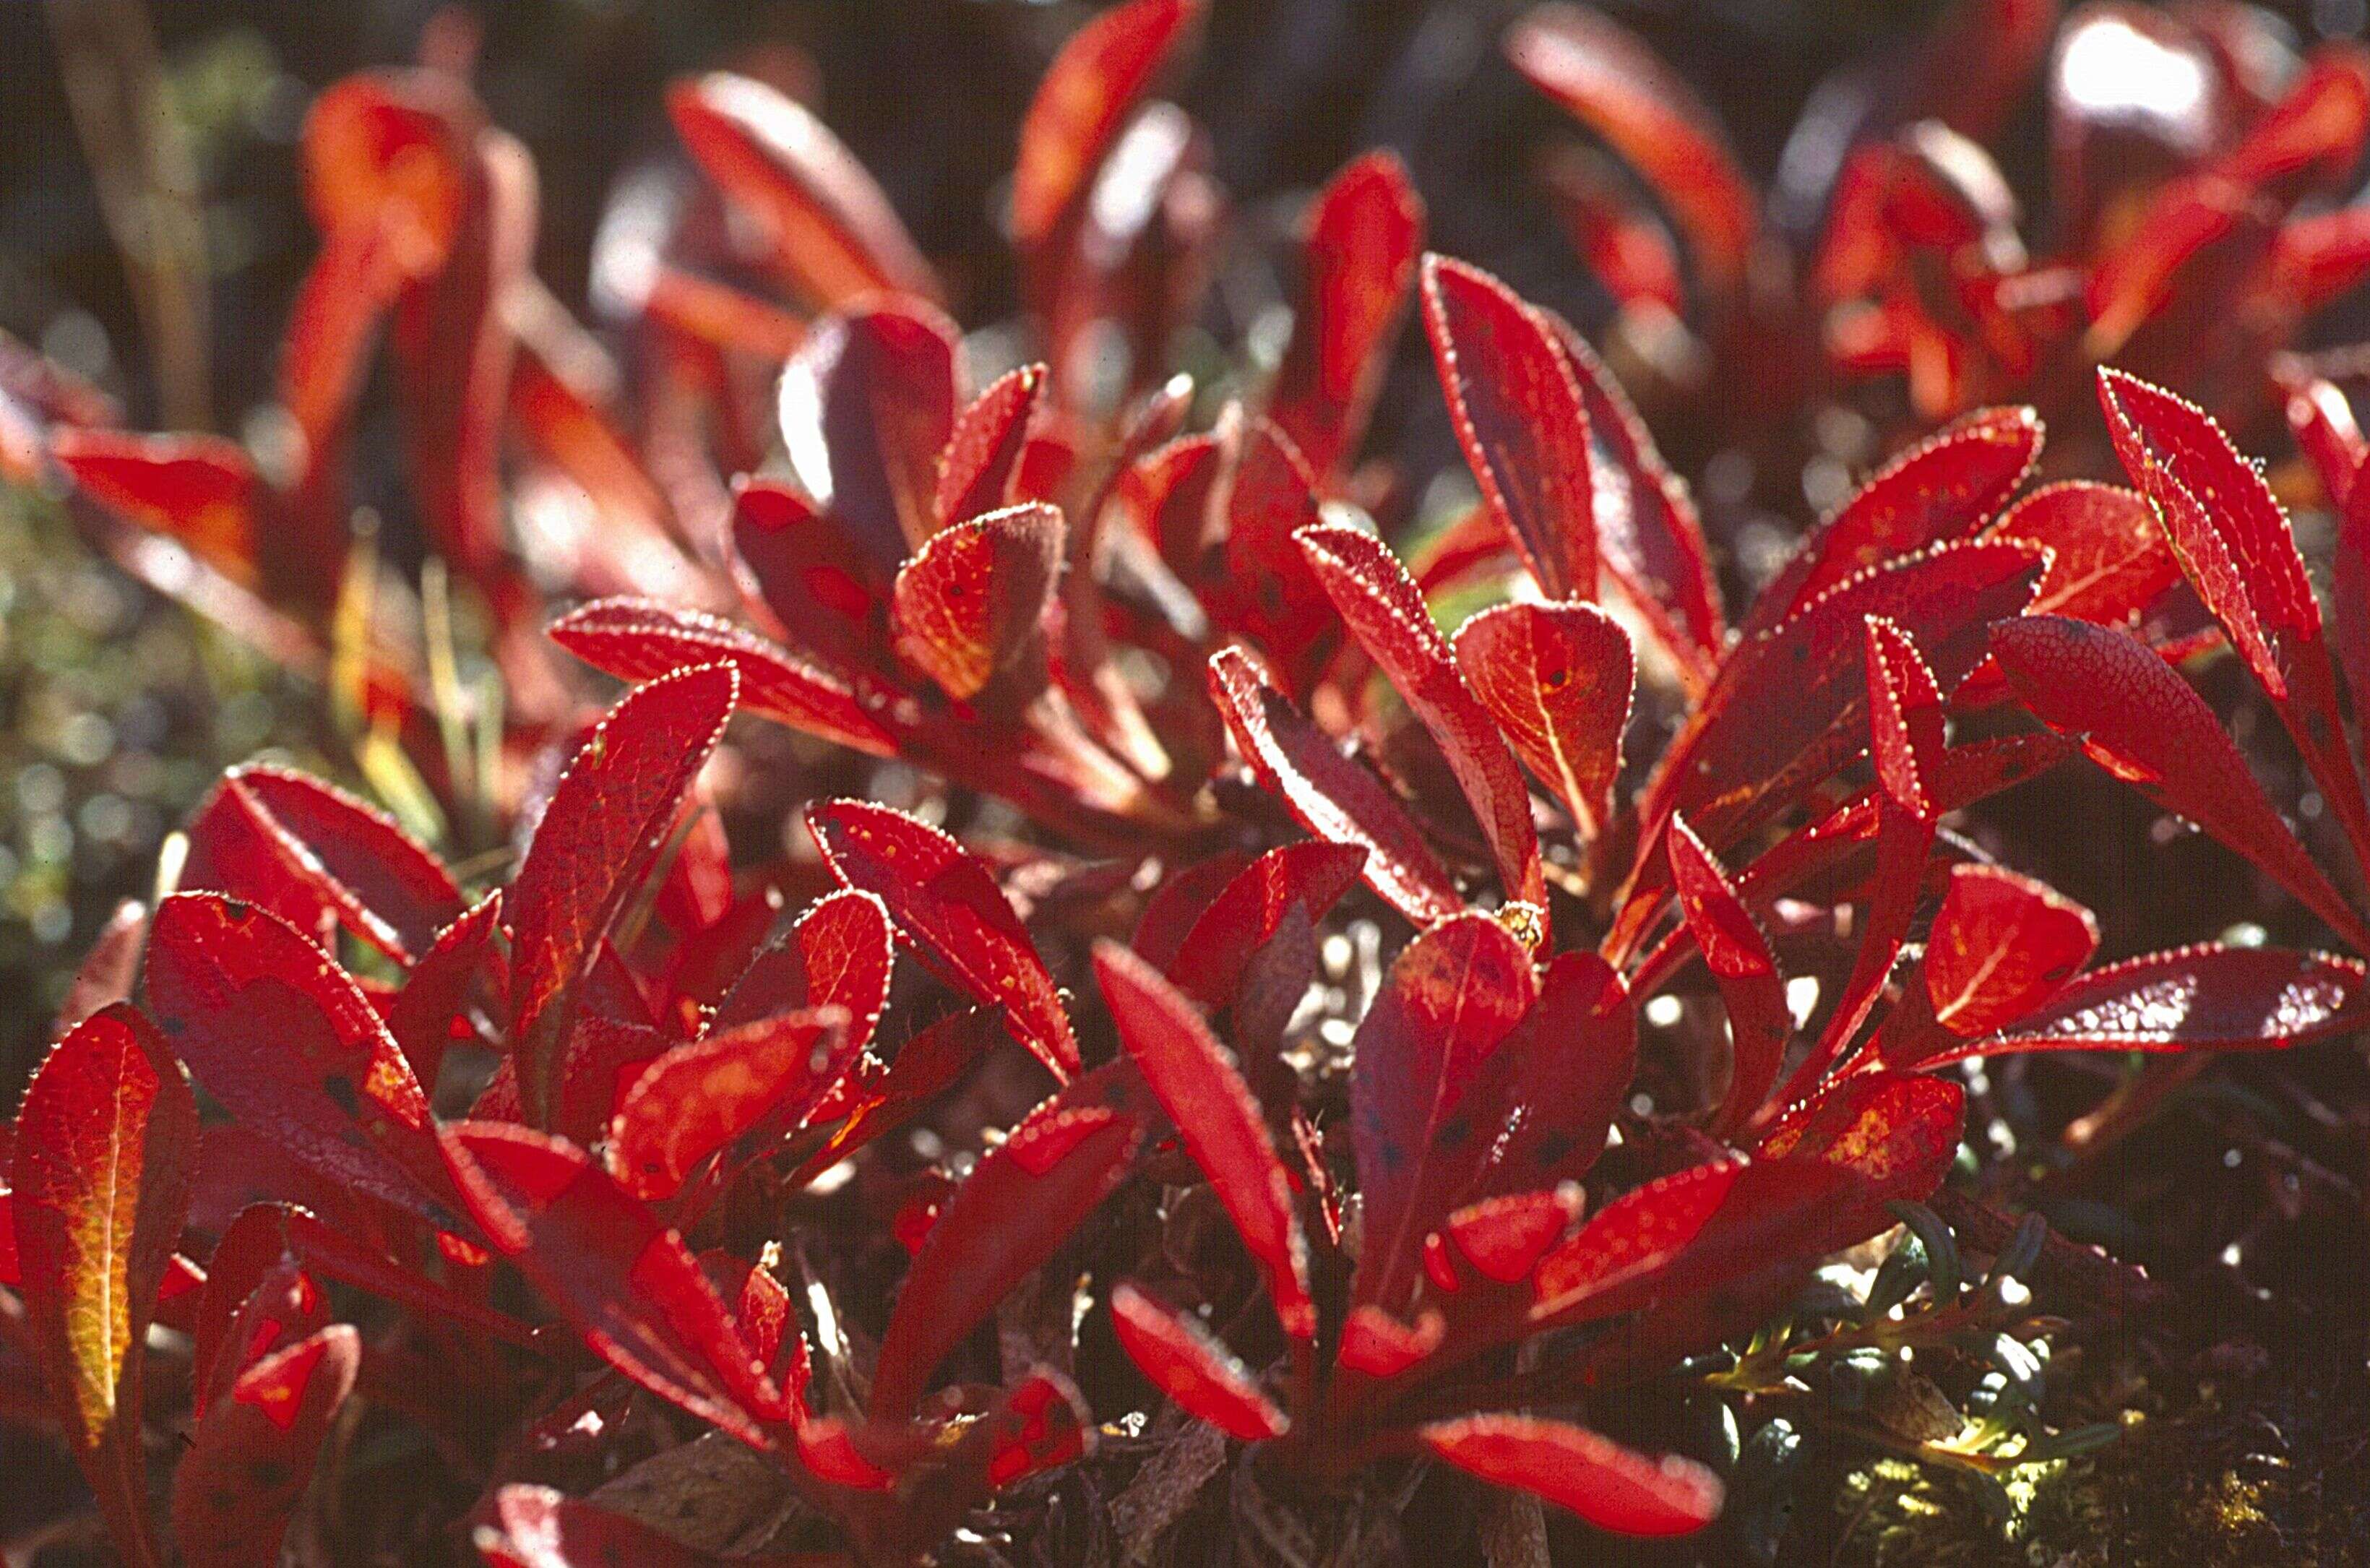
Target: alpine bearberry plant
{"type": "Point", "coordinates": [1056, 949]}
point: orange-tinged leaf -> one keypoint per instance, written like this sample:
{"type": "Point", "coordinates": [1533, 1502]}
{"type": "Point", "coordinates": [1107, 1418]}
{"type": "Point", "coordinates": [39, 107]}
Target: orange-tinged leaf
{"type": "Point", "coordinates": [1519, 418]}
{"type": "Point", "coordinates": [725, 1089]}
{"type": "Point", "coordinates": [949, 911]}
{"type": "Point", "coordinates": [1358, 265]}
{"type": "Point", "coordinates": [608, 817]}
{"type": "Point", "coordinates": [639, 640]}
{"type": "Point", "coordinates": [972, 603]}
{"type": "Point", "coordinates": [105, 1142]}
{"type": "Point", "coordinates": [1608, 80]}
{"type": "Point", "coordinates": [2001, 945]}
{"type": "Point", "coordinates": [1898, 1130]}
{"type": "Point", "coordinates": [1329, 794]}
{"type": "Point", "coordinates": [1186, 1362]}
{"type": "Point", "coordinates": [834, 233]}
{"type": "Point", "coordinates": [200, 489]}
{"type": "Point", "coordinates": [1019, 1203]}
{"type": "Point", "coordinates": [1086, 96]}
{"type": "Point", "coordinates": [1559, 679]}
{"type": "Point", "coordinates": [1611, 1487]}
{"type": "Point", "coordinates": [252, 1456]}
{"type": "Point", "coordinates": [1217, 1119]}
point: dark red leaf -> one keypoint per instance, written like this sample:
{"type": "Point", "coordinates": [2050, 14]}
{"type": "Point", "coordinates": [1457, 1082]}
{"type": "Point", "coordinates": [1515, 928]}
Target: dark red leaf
{"type": "Point", "coordinates": [256, 1299]}
{"type": "Point", "coordinates": [834, 233]}
{"type": "Point", "coordinates": [253, 1453]}
{"type": "Point", "coordinates": [866, 407]}
{"type": "Point", "coordinates": [1552, 1088]}
{"type": "Point", "coordinates": [972, 603]}
{"type": "Point", "coordinates": [108, 970]}
{"type": "Point", "coordinates": [289, 1044]}
{"type": "Point", "coordinates": [425, 1012]}
{"type": "Point", "coordinates": [803, 574]}
{"type": "Point", "coordinates": [1179, 904]}
{"type": "Point", "coordinates": [1558, 678]}
{"type": "Point", "coordinates": [1329, 794]}
{"type": "Point", "coordinates": [625, 1281]}
{"type": "Point", "coordinates": [99, 1180]}
{"type": "Point", "coordinates": [979, 470]}
{"type": "Point", "coordinates": [1261, 585]}
{"type": "Point", "coordinates": [338, 1255]}
{"type": "Point", "coordinates": [1358, 263]}
{"type": "Point", "coordinates": [2195, 998]}
{"type": "Point", "coordinates": [639, 640]}
{"type": "Point", "coordinates": [1210, 960]}
{"type": "Point", "coordinates": [1186, 1362]}
{"type": "Point", "coordinates": [949, 911]}
{"type": "Point", "coordinates": [1611, 1487]}
{"type": "Point", "coordinates": [1519, 420]}
{"type": "Point", "coordinates": [874, 1099]}
{"type": "Point", "coordinates": [1021, 1202]}
{"type": "Point", "coordinates": [2233, 541]}
{"type": "Point", "coordinates": [1086, 96]}
{"type": "Point", "coordinates": [1900, 1131]}
{"type": "Point", "coordinates": [1217, 1119]}
{"type": "Point", "coordinates": [2138, 719]}
{"type": "Point", "coordinates": [1612, 83]}
{"type": "Point", "coordinates": [608, 818]}
{"type": "Point", "coordinates": [1450, 1002]}
{"type": "Point", "coordinates": [1741, 965]}
{"type": "Point", "coordinates": [1391, 622]}
{"type": "Point", "coordinates": [722, 1088]}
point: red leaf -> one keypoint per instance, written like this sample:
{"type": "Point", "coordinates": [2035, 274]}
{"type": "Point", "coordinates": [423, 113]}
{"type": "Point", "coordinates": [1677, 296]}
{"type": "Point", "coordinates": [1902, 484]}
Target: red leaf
{"type": "Point", "coordinates": [1552, 1088]}
{"type": "Point", "coordinates": [338, 1255]}
{"type": "Point", "coordinates": [1608, 1485]}
{"type": "Point", "coordinates": [874, 1099]}
{"type": "Point", "coordinates": [1558, 678]}
{"type": "Point", "coordinates": [108, 970]}
{"type": "Point", "coordinates": [2110, 557]}
{"type": "Point", "coordinates": [253, 1453]}
{"type": "Point", "coordinates": [424, 1013]}
{"type": "Point", "coordinates": [1217, 1120]}
{"type": "Point", "coordinates": [256, 1299]}
{"type": "Point", "coordinates": [1607, 79]}
{"type": "Point", "coordinates": [1946, 487]}
{"type": "Point", "coordinates": [1179, 904]}
{"type": "Point", "coordinates": [979, 470]}
{"type": "Point", "coordinates": [720, 1090]}
{"type": "Point", "coordinates": [2234, 543]}
{"type": "Point", "coordinates": [1332, 797]}
{"type": "Point", "coordinates": [1210, 960]}
{"type": "Point", "coordinates": [948, 909]}
{"type": "Point", "coordinates": [609, 815]}
{"type": "Point", "coordinates": [834, 233]}
{"type": "Point", "coordinates": [1358, 262]}
{"type": "Point", "coordinates": [2142, 722]}
{"type": "Point", "coordinates": [803, 571]}
{"type": "Point", "coordinates": [1900, 1131]}
{"type": "Point", "coordinates": [1186, 1362]}
{"type": "Point", "coordinates": [1450, 1002]}
{"type": "Point", "coordinates": [639, 640]}
{"type": "Point", "coordinates": [626, 1282]}
{"type": "Point", "coordinates": [105, 1141]}
{"type": "Point", "coordinates": [1262, 586]}
{"type": "Point", "coordinates": [1711, 1226]}
{"type": "Point", "coordinates": [289, 1044]}
{"type": "Point", "coordinates": [2195, 999]}
{"type": "Point", "coordinates": [298, 847]}
{"type": "Point", "coordinates": [200, 489]}
{"type": "Point", "coordinates": [1021, 1202]}
{"type": "Point", "coordinates": [838, 954]}
{"type": "Point", "coordinates": [1648, 535]}
{"type": "Point", "coordinates": [1086, 95]}
{"type": "Point", "coordinates": [972, 603]}
{"type": "Point", "coordinates": [866, 407]}
{"type": "Point", "coordinates": [1519, 420]}
{"type": "Point", "coordinates": [2001, 945]}
{"type": "Point", "coordinates": [1737, 954]}
{"type": "Point", "coordinates": [1390, 620]}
